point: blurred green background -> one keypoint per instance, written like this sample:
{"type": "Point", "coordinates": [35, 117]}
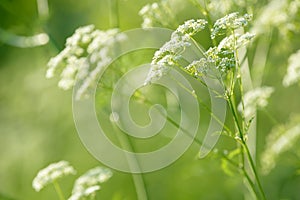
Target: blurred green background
{"type": "Point", "coordinates": [36, 122]}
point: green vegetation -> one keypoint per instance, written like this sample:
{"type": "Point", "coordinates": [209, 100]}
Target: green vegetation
{"type": "Point", "coordinates": [249, 48]}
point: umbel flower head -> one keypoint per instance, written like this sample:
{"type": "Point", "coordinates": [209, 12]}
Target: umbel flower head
{"type": "Point", "coordinates": [86, 53]}
{"type": "Point", "coordinates": [170, 53]}
{"type": "Point", "coordinates": [280, 14]}
{"type": "Point", "coordinates": [87, 184]}
{"type": "Point", "coordinates": [157, 14]}
{"type": "Point", "coordinates": [52, 173]}
{"type": "Point", "coordinates": [293, 71]}
{"type": "Point", "coordinates": [231, 22]}
{"type": "Point", "coordinates": [281, 139]}
{"type": "Point", "coordinates": [256, 98]}
{"type": "Point", "coordinates": [220, 59]}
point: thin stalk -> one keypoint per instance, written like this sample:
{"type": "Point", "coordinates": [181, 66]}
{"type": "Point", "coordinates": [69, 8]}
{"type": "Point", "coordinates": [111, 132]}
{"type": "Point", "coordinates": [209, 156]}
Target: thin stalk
{"type": "Point", "coordinates": [138, 179]}
{"type": "Point", "coordinates": [252, 165]}
{"type": "Point", "coordinates": [239, 79]}
{"type": "Point", "coordinates": [251, 162]}
{"type": "Point", "coordinates": [204, 84]}
{"type": "Point", "coordinates": [203, 104]}
{"type": "Point", "coordinates": [230, 161]}
{"type": "Point", "coordinates": [204, 11]}
{"type": "Point", "coordinates": [58, 190]}
{"type": "Point", "coordinates": [244, 172]}
{"type": "Point", "coordinates": [235, 116]}
{"type": "Point", "coordinates": [252, 186]}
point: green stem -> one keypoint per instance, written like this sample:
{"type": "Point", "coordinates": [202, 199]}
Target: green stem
{"type": "Point", "coordinates": [248, 153]}
{"type": "Point", "coordinates": [204, 11]}
{"type": "Point", "coordinates": [235, 116]}
{"type": "Point", "coordinates": [58, 190]}
{"type": "Point", "coordinates": [250, 160]}
{"type": "Point", "coordinates": [133, 163]}
{"type": "Point", "coordinates": [239, 79]}
{"type": "Point", "coordinates": [230, 161]}
{"type": "Point", "coordinates": [252, 186]}
{"type": "Point", "coordinates": [202, 102]}
{"type": "Point", "coordinates": [253, 168]}
{"type": "Point", "coordinates": [244, 172]}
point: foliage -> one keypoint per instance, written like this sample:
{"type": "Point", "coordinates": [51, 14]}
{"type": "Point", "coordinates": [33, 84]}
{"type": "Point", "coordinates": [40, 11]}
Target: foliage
{"type": "Point", "coordinates": [244, 45]}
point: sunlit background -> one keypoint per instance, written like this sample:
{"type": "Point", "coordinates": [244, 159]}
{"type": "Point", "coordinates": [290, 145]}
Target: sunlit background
{"type": "Point", "coordinates": [36, 122]}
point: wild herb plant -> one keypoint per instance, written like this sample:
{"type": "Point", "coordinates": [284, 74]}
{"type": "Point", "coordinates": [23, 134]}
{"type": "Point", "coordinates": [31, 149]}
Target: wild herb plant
{"type": "Point", "coordinates": [85, 187]}
{"type": "Point", "coordinates": [226, 60]}
{"type": "Point", "coordinates": [223, 59]}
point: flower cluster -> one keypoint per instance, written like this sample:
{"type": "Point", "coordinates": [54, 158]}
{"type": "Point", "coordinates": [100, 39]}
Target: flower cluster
{"type": "Point", "coordinates": [219, 8]}
{"type": "Point", "coordinates": [281, 139]}
{"type": "Point", "coordinates": [85, 54]}
{"type": "Point", "coordinates": [170, 53]}
{"type": "Point", "coordinates": [221, 57]}
{"type": "Point", "coordinates": [156, 14]}
{"type": "Point", "coordinates": [293, 72]}
{"type": "Point", "coordinates": [281, 14]}
{"type": "Point", "coordinates": [52, 173]}
{"type": "Point", "coordinates": [231, 22]}
{"type": "Point", "coordinates": [256, 98]}
{"type": "Point", "coordinates": [87, 184]}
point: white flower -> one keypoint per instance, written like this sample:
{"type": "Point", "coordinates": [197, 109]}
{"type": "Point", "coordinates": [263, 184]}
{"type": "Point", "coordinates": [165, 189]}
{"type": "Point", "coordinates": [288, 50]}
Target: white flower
{"type": "Point", "coordinates": [90, 191]}
{"type": "Point", "coordinates": [157, 14]}
{"type": "Point", "coordinates": [223, 59]}
{"type": "Point", "coordinates": [256, 98]}
{"type": "Point", "coordinates": [231, 21]}
{"type": "Point", "coordinates": [191, 27]}
{"type": "Point", "coordinates": [244, 39]}
{"type": "Point", "coordinates": [92, 177]}
{"type": "Point", "coordinates": [87, 184]}
{"type": "Point", "coordinates": [236, 41]}
{"type": "Point", "coordinates": [52, 173]}
{"type": "Point", "coordinates": [198, 67]}
{"type": "Point", "coordinates": [220, 7]}
{"type": "Point", "coordinates": [293, 71]}
{"type": "Point", "coordinates": [281, 139]}
{"type": "Point", "coordinates": [169, 54]}
{"type": "Point", "coordinates": [280, 14]}
{"type": "Point", "coordinates": [87, 52]}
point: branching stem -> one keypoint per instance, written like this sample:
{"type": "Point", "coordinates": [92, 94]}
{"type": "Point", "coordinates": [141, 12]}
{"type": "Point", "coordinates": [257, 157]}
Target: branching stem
{"type": "Point", "coordinates": [58, 190]}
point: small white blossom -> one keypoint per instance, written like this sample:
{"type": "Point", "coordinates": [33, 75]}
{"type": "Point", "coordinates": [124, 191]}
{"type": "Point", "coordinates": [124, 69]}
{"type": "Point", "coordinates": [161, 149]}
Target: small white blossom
{"type": "Point", "coordinates": [87, 52]}
{"type": "Point", "coordinates": [157, 14]}
{"type": "Point", "coordinates": [236, 41]}
{"type": "Point", "coordinates": [280, 14]}
{"type": "Point", "coordinates": [220, 7]}
{"type": "Point", "coordinates": [231, 21]}
{"type": "Point", "coordinates": [198, 67]}
{"type": "Point", "coordinates": [222, 59]}
{"type": "Point", "coordinates": [191, 27]}
{"type": "Point", "coordinates": [244, 39]}
{"type": "Point", "coordinates": [88, 192]}
{"type": "Point", "coordinates": [293, 71]}
{"type": "Point", "coordinates": [256, 98]}
{"type": "Point", "coordinates": [281, 139]}
{"type": "Point", "coordinates": [170, 53]}
{"type": "Point", "coordinates": [91, 178]}
{"type": "Point", "coordinates": [52, 173]}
